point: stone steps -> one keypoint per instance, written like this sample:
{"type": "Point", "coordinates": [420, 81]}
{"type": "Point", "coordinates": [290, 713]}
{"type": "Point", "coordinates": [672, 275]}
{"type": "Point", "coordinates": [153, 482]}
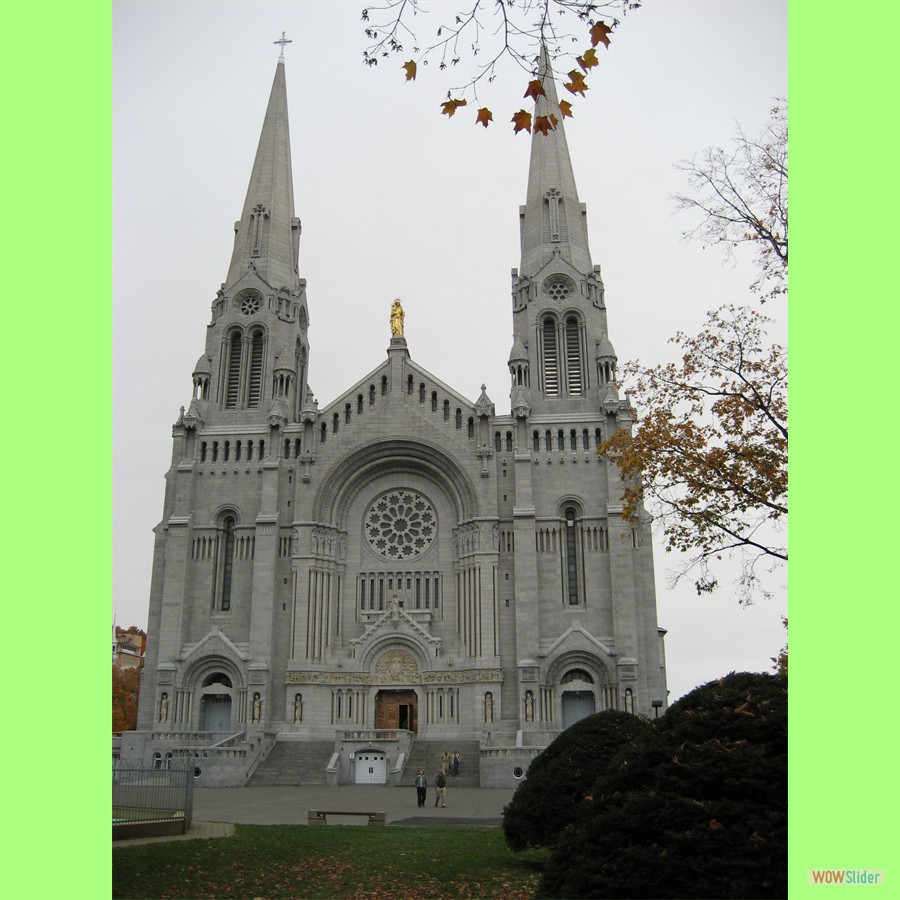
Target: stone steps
{"type": "Point", "coordinates": [294, 762]}
{"type": "Point", "coordinates": [427, 755]}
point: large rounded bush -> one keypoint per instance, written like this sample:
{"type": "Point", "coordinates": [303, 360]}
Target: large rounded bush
{"type": "Point", "coordinates": [558, 780]}
{"type": "Point", "coordinates": [697, 808]}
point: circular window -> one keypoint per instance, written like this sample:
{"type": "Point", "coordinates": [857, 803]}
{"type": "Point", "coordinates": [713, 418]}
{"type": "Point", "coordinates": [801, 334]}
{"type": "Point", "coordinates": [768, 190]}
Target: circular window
{"type": "Point", "coordinates": [558, 290]}
{"type": "Point", "coordinates": [400, 525]}
{"type": "Point", "coordinates": [250, 305]}
{"type": "Point", "coordinates": [518, 772]}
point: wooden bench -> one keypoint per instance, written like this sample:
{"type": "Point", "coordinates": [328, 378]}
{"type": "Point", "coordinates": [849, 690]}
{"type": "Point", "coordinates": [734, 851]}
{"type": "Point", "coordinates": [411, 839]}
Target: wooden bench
{"type": "Point", "coordinates": [318, 816]}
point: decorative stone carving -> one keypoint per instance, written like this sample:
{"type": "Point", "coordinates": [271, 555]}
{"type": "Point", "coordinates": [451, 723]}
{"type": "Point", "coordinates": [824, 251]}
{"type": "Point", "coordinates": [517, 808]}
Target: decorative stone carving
{"type": "Point", "coordinates": [396, 667]}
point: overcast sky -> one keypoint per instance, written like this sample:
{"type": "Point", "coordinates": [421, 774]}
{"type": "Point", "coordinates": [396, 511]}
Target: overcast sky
{"type": "Point", "coordinates": [396, 200]}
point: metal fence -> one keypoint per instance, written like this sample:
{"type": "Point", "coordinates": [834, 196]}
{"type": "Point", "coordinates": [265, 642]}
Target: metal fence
{"type": "Point", "coordinates": [152, 798]}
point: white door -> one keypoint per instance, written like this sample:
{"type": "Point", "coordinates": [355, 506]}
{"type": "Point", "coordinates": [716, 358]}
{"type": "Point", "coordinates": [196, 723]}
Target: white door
{"type": "Point", "coordinates": [216, 712]}
{"type": "Point", "coordinates": [371, 767]}
{"type": "Point", "coordinates": [577, 705]}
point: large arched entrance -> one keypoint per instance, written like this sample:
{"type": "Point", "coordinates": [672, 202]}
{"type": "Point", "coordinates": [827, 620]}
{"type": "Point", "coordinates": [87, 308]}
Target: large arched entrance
{"type": "Point", "coordinates": [397, 709]}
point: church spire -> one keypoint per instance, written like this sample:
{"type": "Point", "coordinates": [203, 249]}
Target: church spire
{"type": "Point", "coordinates": [553, 220]}
{"type": "Point", "coordinates": [267, 234]}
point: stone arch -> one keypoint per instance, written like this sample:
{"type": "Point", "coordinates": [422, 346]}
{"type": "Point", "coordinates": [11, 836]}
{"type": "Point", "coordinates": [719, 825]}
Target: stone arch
{"type": "Point", "coordinates": [355, 471]}
{"type": "Point", "coordinates": [579, 659]}
{"type": "Point", "coordinates": [380, 646]}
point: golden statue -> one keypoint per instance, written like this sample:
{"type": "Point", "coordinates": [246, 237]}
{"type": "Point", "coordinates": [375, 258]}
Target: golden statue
{"type": "Point", "coordinates": [396, 319]}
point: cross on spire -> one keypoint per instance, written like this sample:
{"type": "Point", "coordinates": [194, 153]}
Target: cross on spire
{"type": "Point", "coordinates": [282, 40]}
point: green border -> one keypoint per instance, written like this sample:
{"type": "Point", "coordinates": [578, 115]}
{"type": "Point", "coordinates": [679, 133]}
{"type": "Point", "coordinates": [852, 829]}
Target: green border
{"type": "Point", "coordinates": [56, 449]}
{"type": "Point", "coordinates": [843, 328]}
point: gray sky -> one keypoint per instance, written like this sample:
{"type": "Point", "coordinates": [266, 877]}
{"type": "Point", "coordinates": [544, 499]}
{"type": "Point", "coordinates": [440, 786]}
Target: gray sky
{"type": "Point", "coordinates": [398, 201]}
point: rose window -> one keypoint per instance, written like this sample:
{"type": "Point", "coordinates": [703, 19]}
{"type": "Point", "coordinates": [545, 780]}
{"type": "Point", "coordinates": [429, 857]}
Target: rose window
{"type": "Point", "coordinates": [559, 290]}
{"type": "Point", "coordinates": [250, 305]}
{"type": "Point", "coordinates": [400, 525]}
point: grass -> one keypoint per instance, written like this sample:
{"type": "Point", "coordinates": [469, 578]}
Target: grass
{"type": "Point", "coordinates": [282, 861]}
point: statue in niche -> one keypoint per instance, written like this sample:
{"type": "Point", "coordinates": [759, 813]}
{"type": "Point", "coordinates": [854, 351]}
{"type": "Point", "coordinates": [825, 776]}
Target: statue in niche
{"type": "Point", "coordinates": [488, 708]}
{"type": "Point", "coordinates": [629, 700]}
{"type": "Point", "coordinates": [397, 316]}
{"type": "Point", "coordinates": [529, 706]}
{"type": "Point", "coordinates": [298, 708]}
{"type": "Point", "coordinates": [164, 707]}
{"type": "Point", "coordinates": [257, 706]}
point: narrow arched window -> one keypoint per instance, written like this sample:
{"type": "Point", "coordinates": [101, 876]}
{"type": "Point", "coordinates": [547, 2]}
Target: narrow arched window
{"type": "Point", "coordinates": [287, 448]}
{"type": "Point", "coordinates": [383, 385]}
{"type": "Point", "coordinates": [227, 450]}
{"type": "Point", "coordinates": [347, 410]}
{"type": "Point", "coordinates": [359, 404]}
{"type": "Point", "coordinates": [509, 442]}
{"type": "Point", "coordinates": [434, 401]}
{"type": "Point", "coordinates": [598, 437]}
{"type": "Point", "coordinates": [371, 395]}
{"type": "Point", "coordinates": [215, 451]}
{"type": "Point", "coordinates": [459, 418]}
{"type": "Point", "coordinates": [409, 384]}
{"type": "Point", "coordinates": [574, 375]}
{"type": "Point", "coordinates": [551, 358]}
{"type": "Point", "coordinates": [573, 440]}
{"type": "Point", "coordinates": [471, 427]}
{"type": "Point", "coordinates": [497, 441]}
{"type": "Point", "coordinates": [237, 451]}
{"type": "Point", "coordinates": [233, 373]}
{"type": "Point", "coordinates": [249, 450]}
{"type": "Point", "coordinates": [254, 390]}
{"type": "Point", "coordinates": [585, 439]}
{"type": "Point", "coordinates": [535, 441]}
{"type": "Point", "coordinates": [446, 410]}
{"type": "Point", "coordinates": [324, 434]}
{"type": "Point", "coordinates": [335, 421]}
{"type": "Point", "coordinates": [203, 452]}
{"type": "Point", "coordinates": [297, 447]}
{"type": "Point", "coordinates": [548, 440]}
{"type": "Point", "coordinates": [422, 392]}
{"type": "Point", "coordinates": [262, 449]}
{"type": "Point", "coordinates": [227, 563]}
{"type": "Point", "coordinates": [571, 543]}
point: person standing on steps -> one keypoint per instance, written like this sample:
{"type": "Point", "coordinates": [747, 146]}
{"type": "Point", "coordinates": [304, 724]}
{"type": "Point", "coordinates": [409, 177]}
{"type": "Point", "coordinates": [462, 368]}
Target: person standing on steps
{"type": "Point", "coordinates": [445, 761]}
{"type": "Point", "coordinates": [421, 787]}
{"type": "Point", "coordinates": [440, 789]}
{"type": "Point", "coordinates": [454, 764]}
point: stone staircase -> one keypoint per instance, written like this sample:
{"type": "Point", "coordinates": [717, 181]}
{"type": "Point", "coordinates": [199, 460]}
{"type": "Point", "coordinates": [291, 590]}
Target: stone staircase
{"type": "Point", "coordinates": [294, 762]}
{"type": "Point", "coordinates": [427, 755]}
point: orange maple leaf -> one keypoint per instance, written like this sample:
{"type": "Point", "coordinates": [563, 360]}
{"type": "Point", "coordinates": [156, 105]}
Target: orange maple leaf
{"type": "Point", "coordinates": [566, 109]}
{"type": "Point", "coordinates": [543, 124]}
{"type": "Point", "coordinates": [535, 89]}
{"type": "Point", "coordinates": [588, 59]}
{"type": "Point", "coordinates": [600, 33]}
{"type": "Point", "coordinates": [410, 70]}
{"type": "Point", "coordinates": [449, 107]}
{"type": "Point", "coordinates": [522, 121]}
{"type": "Point", "coordinates": [576, 84]}
{"type": "Point", "coordinates": [484, 116]}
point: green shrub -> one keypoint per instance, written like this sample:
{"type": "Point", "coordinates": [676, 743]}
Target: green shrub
{"type": "Point", "coordinates": [557, 781]}
{"type": "Point", "coordinates": [697, 808]}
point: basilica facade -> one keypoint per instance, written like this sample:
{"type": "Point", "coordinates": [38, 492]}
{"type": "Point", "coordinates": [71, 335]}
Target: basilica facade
{"type": "Point", "coordinates": [404, 567]}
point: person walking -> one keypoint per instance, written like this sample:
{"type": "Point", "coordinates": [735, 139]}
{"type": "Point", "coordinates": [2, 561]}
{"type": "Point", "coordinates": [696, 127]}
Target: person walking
{"type": "Point", "coordinates": [445, 761]}
{"type": "Point", "coordinates": [440, 789]}
{"type": "Point", "coordinates": [454, 765]}
{"type": "Point", "coordinates": [421, 787]}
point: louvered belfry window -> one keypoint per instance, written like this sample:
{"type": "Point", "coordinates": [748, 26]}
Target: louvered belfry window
{"type": "Point", "coordinates": [233, 381]}
{"type": "Point", "coordinates": [551, 359]}
{"type": "Point", "coordinates": [256, 363]}
{"type": "Point", "coordinates": [573, 357]}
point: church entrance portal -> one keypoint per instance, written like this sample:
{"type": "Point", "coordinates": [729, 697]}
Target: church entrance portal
{"type": "Point", "coordinates": [577, 705]}
{"type": "Point", "coordinates": [216, 712]}
{"type": "Point", "coordinates": [397, 709]}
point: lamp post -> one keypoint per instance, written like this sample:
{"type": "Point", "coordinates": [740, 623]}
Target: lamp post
{"type": "Point", "coordinates": [656, 704]}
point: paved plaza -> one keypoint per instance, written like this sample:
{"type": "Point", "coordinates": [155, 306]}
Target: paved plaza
{"type": "Point", "coordinates": [217, 810]}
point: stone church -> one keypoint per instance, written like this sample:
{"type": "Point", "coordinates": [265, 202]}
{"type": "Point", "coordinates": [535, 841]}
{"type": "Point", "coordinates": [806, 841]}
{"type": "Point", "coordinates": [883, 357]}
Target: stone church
{"type": "Point", "coordinates": [341, 593]}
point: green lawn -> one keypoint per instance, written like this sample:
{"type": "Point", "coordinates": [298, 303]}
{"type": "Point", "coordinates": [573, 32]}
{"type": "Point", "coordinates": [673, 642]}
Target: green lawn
{"type": "Point", "coordinates": [269, 861]}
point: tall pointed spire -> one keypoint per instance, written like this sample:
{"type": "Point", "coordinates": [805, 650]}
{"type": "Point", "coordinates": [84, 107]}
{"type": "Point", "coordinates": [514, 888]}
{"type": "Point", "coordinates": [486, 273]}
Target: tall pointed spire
{"type": "Point", "coordinates": [554, 220]}
{"type": "Point", "coordinates": [267, 234]}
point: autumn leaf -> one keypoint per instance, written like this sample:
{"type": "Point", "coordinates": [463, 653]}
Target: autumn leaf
{"type": "Point", "coordinates": [522, 121]}
{"type": "Point", "coordinates": [535, 89]}
{"type": "Point", "coordinates": [600, 33]}
{"type": "Point", "coordinates": [566, 109]}
{"type": "Point", "coordinates": [543, 124]}
{"type": "Point", "coordinates": [449, 107]}
{"type": "Point", "coordinates": [576, 84]}
{"type": "Point", "coordinates": [410, 70]}
{"type": "Point", "coordinates": [484, 116]}
{"type": "Point", "coordinates": [588, 59]}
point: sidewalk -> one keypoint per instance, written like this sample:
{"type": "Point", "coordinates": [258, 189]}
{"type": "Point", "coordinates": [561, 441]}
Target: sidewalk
{"type": "Point", "coordinates": [217, 810]}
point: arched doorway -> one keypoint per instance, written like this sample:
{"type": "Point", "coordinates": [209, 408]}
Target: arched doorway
{"type": "Point", "coordinates": [397, 710]}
